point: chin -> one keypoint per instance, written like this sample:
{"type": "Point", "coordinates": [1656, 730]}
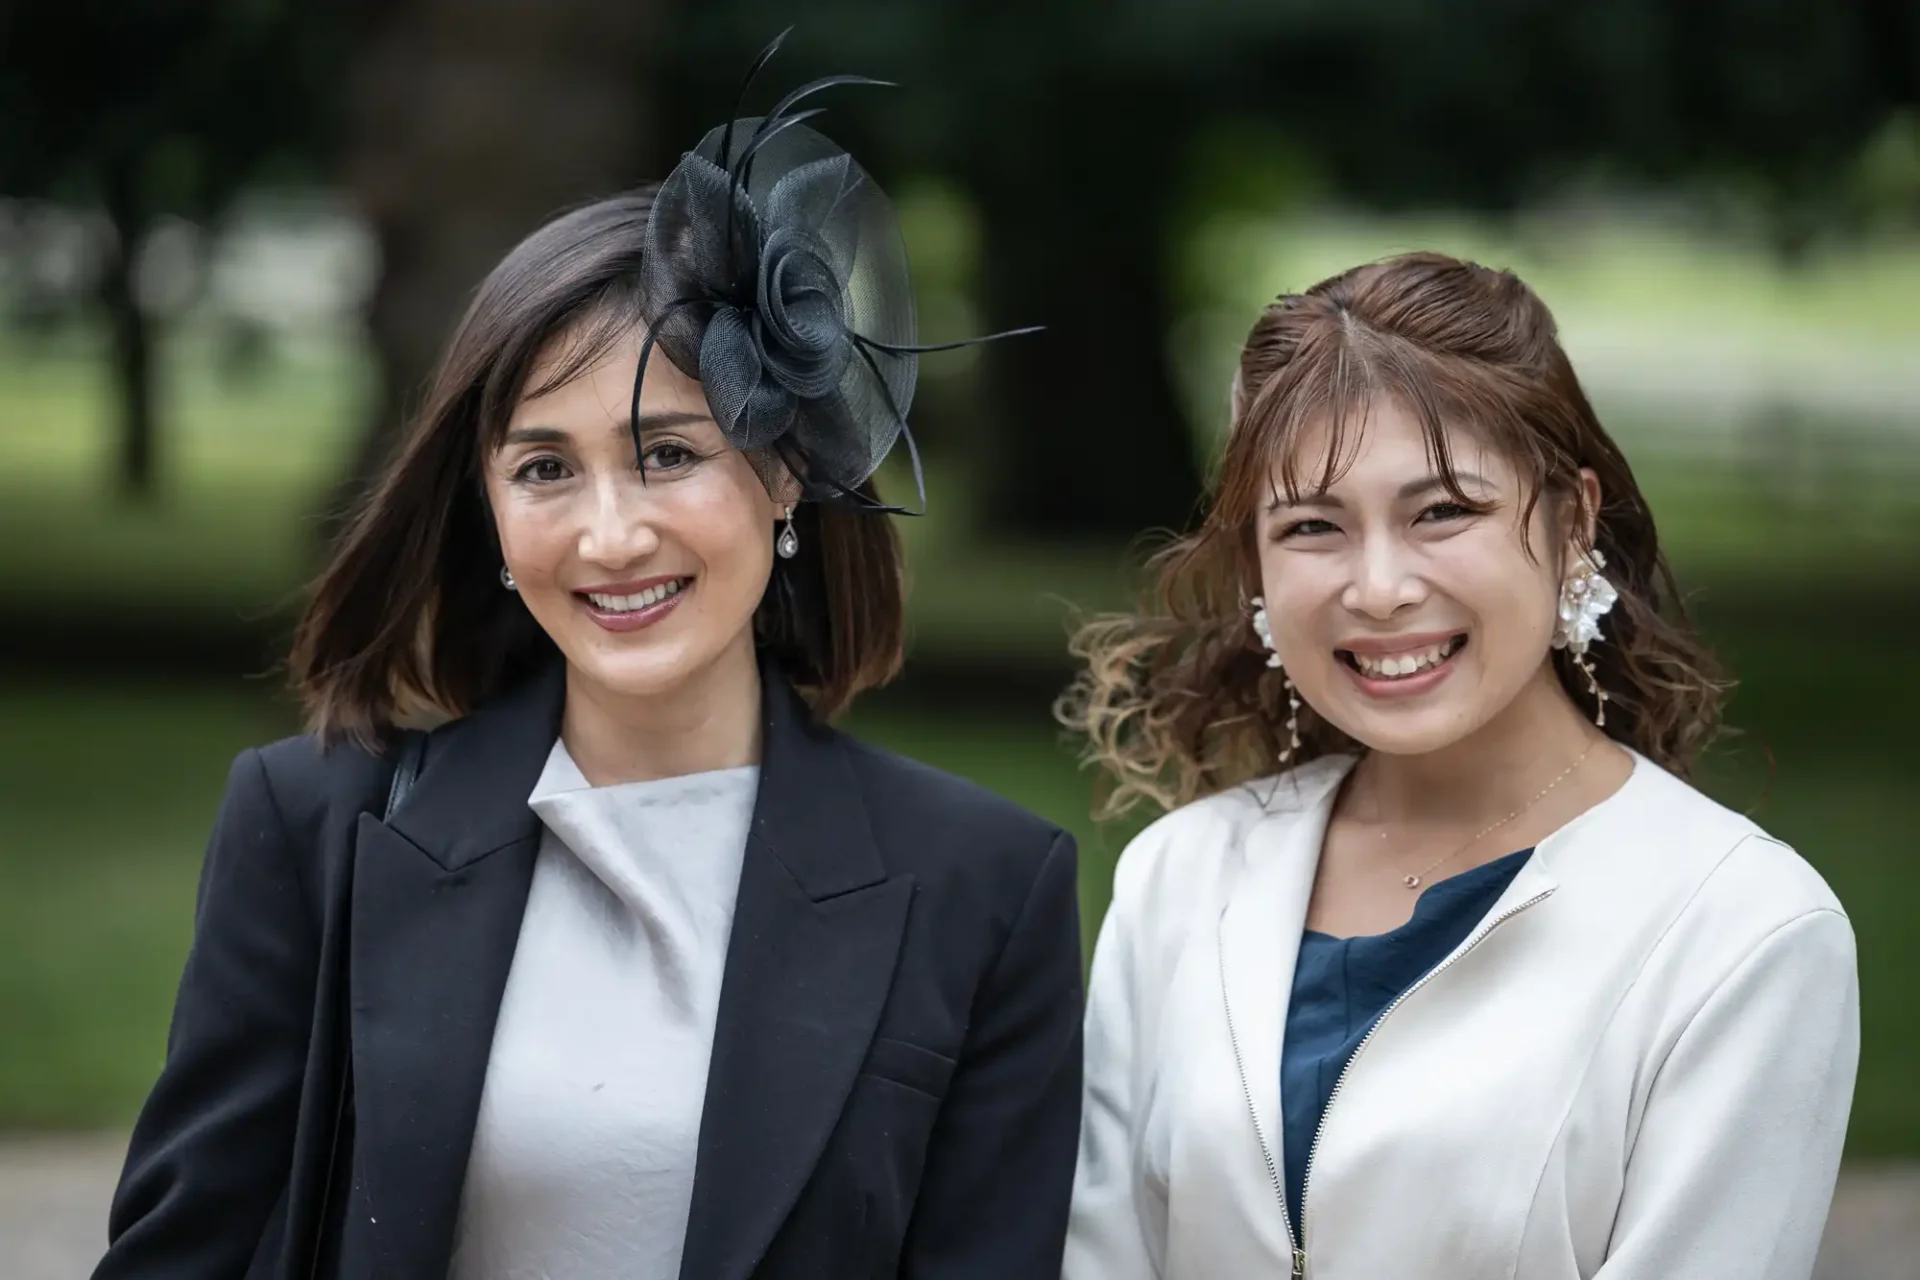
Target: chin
{"type": "Point", "coordinates": [1408, 731]}
{"type": "Point", "coordinates": [1405, 740]}
{"type": "Point", "coordinates": [662, 671]}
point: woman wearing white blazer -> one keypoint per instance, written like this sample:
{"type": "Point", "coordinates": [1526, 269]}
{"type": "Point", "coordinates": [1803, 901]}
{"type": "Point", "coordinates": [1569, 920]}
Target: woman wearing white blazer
{"type": "Point", "coordinates": [1475, 984]}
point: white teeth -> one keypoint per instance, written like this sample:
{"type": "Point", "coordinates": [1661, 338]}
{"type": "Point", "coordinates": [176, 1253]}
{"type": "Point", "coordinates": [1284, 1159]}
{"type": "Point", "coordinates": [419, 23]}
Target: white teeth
{"type": "Point", "coordinates": [1399, 665]}
{"type": "Point", "coordinates": [637, 601]}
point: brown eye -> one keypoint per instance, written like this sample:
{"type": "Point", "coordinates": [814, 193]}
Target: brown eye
{"type": "Point", "coordinates": [669, 455]}
{"type": "Point", "coordinates": [542, 470]}
{"type": "Point", "coordinates": [1447, 511]}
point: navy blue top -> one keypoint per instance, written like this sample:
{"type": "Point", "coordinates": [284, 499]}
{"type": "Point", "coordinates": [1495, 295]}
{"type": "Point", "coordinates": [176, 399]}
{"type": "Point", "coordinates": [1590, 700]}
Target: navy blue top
{"type": "Point", "coordinates": [1341, 986]}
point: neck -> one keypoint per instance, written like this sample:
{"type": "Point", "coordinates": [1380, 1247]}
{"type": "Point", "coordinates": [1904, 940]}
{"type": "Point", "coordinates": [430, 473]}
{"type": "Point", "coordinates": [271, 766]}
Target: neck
{"type": "Point", "coordinates": [1497, 768]}
{"type": "Point", "coordinates": [709, 721]}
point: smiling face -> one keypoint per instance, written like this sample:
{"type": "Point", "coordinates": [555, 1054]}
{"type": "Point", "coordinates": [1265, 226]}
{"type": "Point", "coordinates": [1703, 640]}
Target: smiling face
{"type": "Point", "coordinates": [1406, 618]}
{"type": "Point", "coordinates": [646, 581]}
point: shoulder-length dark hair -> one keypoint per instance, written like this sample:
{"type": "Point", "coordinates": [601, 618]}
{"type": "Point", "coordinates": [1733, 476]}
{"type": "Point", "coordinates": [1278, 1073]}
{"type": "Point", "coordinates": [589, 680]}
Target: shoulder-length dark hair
{"type": "Point", "coordinates": [1176, 702]}
{"type": "Point", "coordinates": [409, 620]}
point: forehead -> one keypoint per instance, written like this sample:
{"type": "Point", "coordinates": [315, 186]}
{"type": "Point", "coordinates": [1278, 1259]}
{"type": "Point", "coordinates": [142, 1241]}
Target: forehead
{"type": "Point", "coordinates": [593, 373]}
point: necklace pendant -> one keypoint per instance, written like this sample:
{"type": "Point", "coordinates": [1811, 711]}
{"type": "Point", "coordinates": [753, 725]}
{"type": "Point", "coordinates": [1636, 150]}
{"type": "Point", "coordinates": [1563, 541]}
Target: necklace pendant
{"type": "Point", "coordinates": [1412, 882]}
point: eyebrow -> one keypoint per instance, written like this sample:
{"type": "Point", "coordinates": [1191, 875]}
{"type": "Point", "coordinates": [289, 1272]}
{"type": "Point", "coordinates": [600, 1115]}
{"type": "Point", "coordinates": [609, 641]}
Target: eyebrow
{"type": "Point", "coordinates": [1411, 489]}
{"type": "Point", "coordinates": [648, 422]}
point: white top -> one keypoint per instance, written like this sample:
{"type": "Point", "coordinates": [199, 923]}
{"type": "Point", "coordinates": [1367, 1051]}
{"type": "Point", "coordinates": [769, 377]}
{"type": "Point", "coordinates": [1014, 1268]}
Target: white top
{"type": "Point", "coordinates": [1638, 1067]}
{"type": "Point", "coordinates": [583, 1155]}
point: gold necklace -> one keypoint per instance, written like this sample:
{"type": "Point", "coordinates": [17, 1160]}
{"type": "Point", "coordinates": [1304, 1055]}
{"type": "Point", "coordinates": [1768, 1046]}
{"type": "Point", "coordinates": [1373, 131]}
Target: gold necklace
{"type": "Point", "coordinates": [1415, 880]}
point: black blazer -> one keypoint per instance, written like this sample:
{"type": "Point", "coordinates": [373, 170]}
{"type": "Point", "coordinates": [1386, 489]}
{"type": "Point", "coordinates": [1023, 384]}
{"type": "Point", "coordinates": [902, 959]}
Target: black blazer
{"type": "Point", "coordinates": [895, 1081]}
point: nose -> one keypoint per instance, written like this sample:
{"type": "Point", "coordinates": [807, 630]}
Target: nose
{"type": "Point", "coordinates": [1385, 579]}
{"type": "Point", "coordinates": [617, 528]}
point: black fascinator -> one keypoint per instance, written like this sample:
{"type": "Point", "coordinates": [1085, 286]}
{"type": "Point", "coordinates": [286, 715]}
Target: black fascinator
{"type": "Point", "coordinates": [774, 271]}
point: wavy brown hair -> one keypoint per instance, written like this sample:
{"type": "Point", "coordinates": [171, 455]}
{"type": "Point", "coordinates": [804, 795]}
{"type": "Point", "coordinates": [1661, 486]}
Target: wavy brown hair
{"type": "Point", "coordinates": [1176, 702]}
{"type": "Point", "coordinates": [408, 621]}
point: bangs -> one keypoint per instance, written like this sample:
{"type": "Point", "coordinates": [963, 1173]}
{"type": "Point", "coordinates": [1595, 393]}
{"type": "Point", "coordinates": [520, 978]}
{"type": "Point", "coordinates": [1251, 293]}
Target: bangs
{"type": "Point", "coordinates": [1303, 430]}
{"type": "Point", "coordinates": [573, 345]}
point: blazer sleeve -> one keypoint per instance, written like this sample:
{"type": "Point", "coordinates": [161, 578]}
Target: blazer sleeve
{"type": "Point", "coordinates": [999, 1169]}
{"type": "Point", "coordinates": [1106, 1239]}
{"type": "Point", "coordinates": [1739, 1146]}
{"type": "Point", "coordinates": [211, 1150]}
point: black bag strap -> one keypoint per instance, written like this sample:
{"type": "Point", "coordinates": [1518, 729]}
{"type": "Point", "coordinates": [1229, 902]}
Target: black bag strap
{"type": "Point", "coordinates": [406, 768]}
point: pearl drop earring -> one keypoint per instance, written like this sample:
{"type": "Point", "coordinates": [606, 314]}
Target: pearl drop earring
{"type": "Point", "coordinates": [1263, 628]}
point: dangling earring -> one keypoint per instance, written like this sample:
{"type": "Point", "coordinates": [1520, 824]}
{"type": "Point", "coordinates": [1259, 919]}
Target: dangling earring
{"type": "Point", "coordinates": [1585, 597]}
{"type": "Point", "coordinates": [789, 544]}
{"type": "Point", "coordinates": [506, 579]}
{"type": "Point", "coordinates": [1264, 629]}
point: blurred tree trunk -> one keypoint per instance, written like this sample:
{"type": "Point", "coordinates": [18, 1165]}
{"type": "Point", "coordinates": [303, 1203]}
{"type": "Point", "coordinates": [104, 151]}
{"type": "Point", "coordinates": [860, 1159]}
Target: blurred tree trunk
{"type": "Point", "coordinates": [130, 339]}
{"type": "Point", "coordinates": [470, 122]}
{"type": "Point", "coordinates": [1088, 435]}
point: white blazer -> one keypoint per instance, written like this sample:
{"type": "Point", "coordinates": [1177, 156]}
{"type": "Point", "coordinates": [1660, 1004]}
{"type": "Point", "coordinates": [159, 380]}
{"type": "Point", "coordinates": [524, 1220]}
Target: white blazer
{"type": "Point", "coordinates": [1637, 1067]}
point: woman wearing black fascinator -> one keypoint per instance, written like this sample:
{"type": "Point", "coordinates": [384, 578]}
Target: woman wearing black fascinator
{"type": "Point", "coordinates": [570, 941]}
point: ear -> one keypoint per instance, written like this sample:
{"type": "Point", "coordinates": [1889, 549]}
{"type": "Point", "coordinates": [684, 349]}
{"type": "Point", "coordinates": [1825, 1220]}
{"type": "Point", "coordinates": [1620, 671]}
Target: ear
{"type": "Point", "coordinates": [776, 481]}
{"type": "Point", "coordinates": [1585, 525]}
{"type": "Point", "coordinates": [785, 489]}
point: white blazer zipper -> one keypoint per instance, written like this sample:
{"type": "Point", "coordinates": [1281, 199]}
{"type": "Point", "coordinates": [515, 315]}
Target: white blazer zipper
{"type": "Point", "coordinates": [1295, 1238]}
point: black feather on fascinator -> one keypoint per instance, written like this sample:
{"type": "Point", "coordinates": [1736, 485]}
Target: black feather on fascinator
{"type": "Point", "coordinates": [774, 271]}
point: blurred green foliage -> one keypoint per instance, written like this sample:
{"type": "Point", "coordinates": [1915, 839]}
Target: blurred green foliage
{"type": "Point", "coordinates": [1098, 126]}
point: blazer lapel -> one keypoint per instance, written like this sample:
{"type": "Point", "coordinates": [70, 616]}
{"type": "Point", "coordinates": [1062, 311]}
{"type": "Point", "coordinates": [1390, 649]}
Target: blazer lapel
{"type": "Point", "coordinates": [1259, 940]}
{"type": "Point", "coordinates": [438, 896]}
{"type": "Point", "coordinates": [816, 932]}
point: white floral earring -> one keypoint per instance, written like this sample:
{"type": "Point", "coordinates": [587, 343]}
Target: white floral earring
{"type": "Point", "coordinates": [1585, 598]}
{"type": "Point", "coordinates": [1264, 629]}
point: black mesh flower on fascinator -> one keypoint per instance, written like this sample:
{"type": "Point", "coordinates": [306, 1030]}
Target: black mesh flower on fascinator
{"type": "Point", "coordinates": [775, 272]}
